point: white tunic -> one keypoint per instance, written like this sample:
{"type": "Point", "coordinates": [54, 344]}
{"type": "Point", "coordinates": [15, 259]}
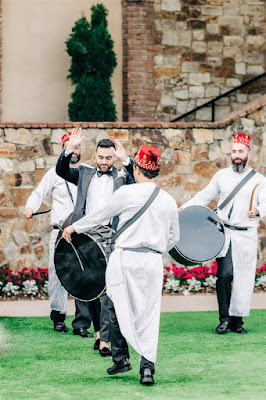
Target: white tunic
{"type": "Point", "coordinates": [62, 207]}
{"type": "Point", "coordinates": [134, 279]}
{"type": "Point", "coordinates": [244, 243]}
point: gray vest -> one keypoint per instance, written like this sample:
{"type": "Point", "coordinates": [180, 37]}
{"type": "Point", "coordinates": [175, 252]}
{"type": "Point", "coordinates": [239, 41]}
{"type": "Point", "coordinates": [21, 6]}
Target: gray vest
{"type": "Point", "coordinates": [85, 176]}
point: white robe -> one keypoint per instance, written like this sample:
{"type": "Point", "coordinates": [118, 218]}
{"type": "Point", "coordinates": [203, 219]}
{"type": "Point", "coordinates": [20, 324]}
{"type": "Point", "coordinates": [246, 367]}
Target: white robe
{"type": "Point", "coordinates": [244, 243]}
{"type": "Point", "coordinates": [134, 279]}
{"type": "Point", "coordinates": [62, 207]}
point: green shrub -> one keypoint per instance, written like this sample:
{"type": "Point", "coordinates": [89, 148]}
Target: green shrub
{"type": "Point", "coordinates": [93, 61]}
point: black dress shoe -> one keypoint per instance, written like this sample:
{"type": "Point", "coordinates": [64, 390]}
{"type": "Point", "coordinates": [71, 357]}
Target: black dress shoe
{"type": "Point", "coordinates": [105, 352]}
{"type": "Point", "coordinates": [96, 344]}
{"type": "Point", "coordinates": [82, 332]}
{"type": "Point", "coordinates": [223, 327]}
{"type": "Point", "coordinates": [123, 366]}
{"type": "Point", "coordinates": [146, 377]}
{"type": "Point", "coordinates": [238, 329]}
{"type": "Point", "coordinates": [60, 327]}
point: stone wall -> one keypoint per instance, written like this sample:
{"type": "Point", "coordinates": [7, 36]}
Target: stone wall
{"type": "Point", "coordinates": [191, 154]}
{"type": "Point", "coordinates": [207, 47]}
{"type": "Point", "coordinates": [183, 53]}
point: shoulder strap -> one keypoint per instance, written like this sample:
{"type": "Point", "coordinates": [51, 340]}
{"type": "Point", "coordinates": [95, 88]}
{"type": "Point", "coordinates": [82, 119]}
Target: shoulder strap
{"type": "Point", "coordinates": [136, 216]}
{"type": "Point", "coordinates": [236, 189]}
{"type": "Point", "coordinates": [69, 192]}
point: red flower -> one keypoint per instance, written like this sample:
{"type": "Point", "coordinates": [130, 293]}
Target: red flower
{"type": "Point", "coordinates": [167, 268]}
{"type": "Point", "coordinates": [18, 282]}
{"type": "Point", "coordinates": [9, 280]}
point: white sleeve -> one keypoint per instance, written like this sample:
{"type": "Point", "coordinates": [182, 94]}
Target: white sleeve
{"type": "Point", "coordinates": [116, 206]}
{"type": "Point", "coordinates": [203, 197]}
{"type": "Point", "coordinates": [126, 162]}
{"type": "Point", "coordinates": [262, 199]}
{"type": "Point", "coordinates": [174, 235]}
{"type": "Point", "coordinates": [43, 189]}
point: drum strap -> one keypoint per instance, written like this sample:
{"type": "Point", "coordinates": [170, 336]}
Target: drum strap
{"type": "Point", "coordinates": [135, 217]}
{"type": "Point", "coordinates": [236, 189]}
{"type": "Point", "coordinates": [69, 192]}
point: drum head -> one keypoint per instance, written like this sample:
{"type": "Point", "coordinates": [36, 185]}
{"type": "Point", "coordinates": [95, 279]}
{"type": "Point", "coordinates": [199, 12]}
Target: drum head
{"type": "Point", "coordinates": [201, 236]}
{"type": "Point", "coordinates": [85, 253]}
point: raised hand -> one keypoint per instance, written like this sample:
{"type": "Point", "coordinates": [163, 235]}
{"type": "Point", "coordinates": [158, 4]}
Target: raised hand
{"type": "Point", "coordinates": [120, 151]}
{"type": "Point", "coordinates": [75, 139]}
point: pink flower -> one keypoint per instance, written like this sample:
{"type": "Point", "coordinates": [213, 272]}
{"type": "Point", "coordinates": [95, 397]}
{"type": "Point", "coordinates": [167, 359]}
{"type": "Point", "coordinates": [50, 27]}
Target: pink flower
{"type": "Point", "coordinates": [18, 282]}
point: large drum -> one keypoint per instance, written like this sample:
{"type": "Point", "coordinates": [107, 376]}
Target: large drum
{"type": "Point", "coordinates": [81, 264]}
{"type": "Point", "coordinates": [201, 236]}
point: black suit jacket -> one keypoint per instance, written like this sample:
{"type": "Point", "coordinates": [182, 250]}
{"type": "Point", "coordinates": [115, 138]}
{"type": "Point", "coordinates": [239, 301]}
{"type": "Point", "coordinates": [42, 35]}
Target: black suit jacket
{"type": "Point", "coordinates": [82, 177]}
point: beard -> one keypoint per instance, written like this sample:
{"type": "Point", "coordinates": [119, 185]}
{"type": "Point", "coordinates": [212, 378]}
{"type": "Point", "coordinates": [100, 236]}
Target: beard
{"type": "Point", "coordinates": [239, 166]}
{"type": "Point", "coordinates": [104, 167]}
{"type": "Point", "coordinates": [75, 159]}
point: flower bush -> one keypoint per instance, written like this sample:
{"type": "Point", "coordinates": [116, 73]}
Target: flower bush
{"type": "Point", "coordinates": [200, 278]}
{"type": "Point", "coordinates": [33, 283]}
{"type": "Point", "coordinates": [26, 282]}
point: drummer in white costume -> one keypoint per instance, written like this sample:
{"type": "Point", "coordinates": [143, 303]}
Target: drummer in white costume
{"type": "Point", "coordinates": [238, 258]}
{"type": "Point", "coordinates": [134, 273]}
{"type": "Point", "coordinates": [63, 200]}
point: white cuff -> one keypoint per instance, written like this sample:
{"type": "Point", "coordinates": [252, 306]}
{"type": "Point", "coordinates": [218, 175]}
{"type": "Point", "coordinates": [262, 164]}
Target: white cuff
{"type": "Point", "coordinates": [67, 152]}
{"type": "Point", "coordinates": [127, 162]}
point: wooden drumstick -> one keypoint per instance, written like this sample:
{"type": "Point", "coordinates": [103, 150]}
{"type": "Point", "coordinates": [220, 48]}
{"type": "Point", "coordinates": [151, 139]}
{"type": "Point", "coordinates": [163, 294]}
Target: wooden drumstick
{"type": "Point", "coordinates": [252, 195]}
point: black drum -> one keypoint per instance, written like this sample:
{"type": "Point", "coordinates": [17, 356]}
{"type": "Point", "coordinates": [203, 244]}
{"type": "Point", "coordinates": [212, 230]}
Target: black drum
{"type": "Point", "coordinates": [81, 264]}
{"type": "Point", "coordinates": [201, 236]}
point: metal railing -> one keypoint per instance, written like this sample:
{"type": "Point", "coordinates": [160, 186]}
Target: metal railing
{"type": "Point", "coordinates": [213, 101]}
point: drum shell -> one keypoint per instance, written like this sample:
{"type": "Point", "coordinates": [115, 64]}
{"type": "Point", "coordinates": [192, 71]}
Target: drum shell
{"type": "Point", "coordinates": [81, 264]}
{"type": "Point", "coordinates": [202, 236]}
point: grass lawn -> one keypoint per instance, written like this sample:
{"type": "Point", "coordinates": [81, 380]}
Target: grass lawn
{"type": "Point", "coordinates": [193, 362]}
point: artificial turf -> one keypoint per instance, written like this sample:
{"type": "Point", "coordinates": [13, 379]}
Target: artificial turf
{"type": "Point", "coordinates": [194, 363]}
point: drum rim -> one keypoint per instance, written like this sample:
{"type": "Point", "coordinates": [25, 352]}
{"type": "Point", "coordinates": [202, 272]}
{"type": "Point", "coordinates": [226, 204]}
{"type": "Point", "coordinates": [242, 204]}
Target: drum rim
{"type": "Point", "coordinates": [220, 221]}
{"type": "Point", "coordinates": [103, 252]}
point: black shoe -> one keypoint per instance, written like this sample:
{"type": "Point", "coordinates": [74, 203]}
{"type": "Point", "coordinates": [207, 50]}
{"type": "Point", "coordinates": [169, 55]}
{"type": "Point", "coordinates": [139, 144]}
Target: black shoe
{"type": "Point", "coordinates": [223, 327]}
{"type": "Point", "coordinates": [238, 329]}
{"type": "Point", "coordinates": [96, 344]}
{"type": "Point", "coordinates": [82, 332]}
{"type": "Point", "coordinates": [105, 352]}
{"type": "Point", "coordinates": [123, 366]}
{"type": "Point", "coordinates": [146, 377]}
{"type": "Point", "coordinates": [60, 327]}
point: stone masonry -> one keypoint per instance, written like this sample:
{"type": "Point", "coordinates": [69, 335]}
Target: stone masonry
{"type": "Point", "coordinates": [191, 154]}
{"type": "Point", "coordinates": [179, 54]}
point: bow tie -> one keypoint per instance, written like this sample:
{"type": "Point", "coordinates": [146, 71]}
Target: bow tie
{"type": "Point", "coordinates": [100, 173]}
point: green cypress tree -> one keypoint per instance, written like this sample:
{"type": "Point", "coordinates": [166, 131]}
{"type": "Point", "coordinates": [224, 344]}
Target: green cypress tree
{"type": "Point", "coordinates": [90, 47]}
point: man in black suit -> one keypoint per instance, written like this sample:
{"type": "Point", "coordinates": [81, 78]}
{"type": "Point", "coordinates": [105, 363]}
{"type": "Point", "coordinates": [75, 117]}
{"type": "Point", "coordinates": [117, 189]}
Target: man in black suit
{"type": "Point", "coordinates": [95, 187]}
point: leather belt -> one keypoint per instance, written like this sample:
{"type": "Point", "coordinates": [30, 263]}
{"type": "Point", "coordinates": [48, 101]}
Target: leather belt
{"type": "Point", "coordinates": [141, 250]}
{"type": "Point", "coordinates": [236, 228]}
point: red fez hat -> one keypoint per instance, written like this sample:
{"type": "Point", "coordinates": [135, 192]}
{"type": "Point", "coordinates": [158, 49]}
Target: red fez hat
{"type": "Point", "coordinates": [242, 138]}
{"type": "Point", "coordinates": [65, 137]}
{"type": "Point", "coordinates": [148, 157]}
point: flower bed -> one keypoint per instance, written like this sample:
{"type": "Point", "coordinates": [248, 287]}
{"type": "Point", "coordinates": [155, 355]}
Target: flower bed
{"type": "Point", "coordinates": [200, 279]}
{"type": "Point", "coordinates": [33, 283]}
{"type": "Point", "coordinates": [25, 283]}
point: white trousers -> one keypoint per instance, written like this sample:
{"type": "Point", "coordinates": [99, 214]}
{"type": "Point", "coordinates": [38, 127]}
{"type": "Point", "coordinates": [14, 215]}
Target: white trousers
{"type": "Point", "coordinates": [57, 294]}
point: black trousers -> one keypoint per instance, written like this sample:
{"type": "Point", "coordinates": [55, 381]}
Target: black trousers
{"type": "Point", "coordinates": [95, 311]}
{"type": "Point", "coordinates": [119, 344]}
{"type": "Point", "coordinates": [56, 316]}
{"type": "Point", "coordinates": [224, 288]}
